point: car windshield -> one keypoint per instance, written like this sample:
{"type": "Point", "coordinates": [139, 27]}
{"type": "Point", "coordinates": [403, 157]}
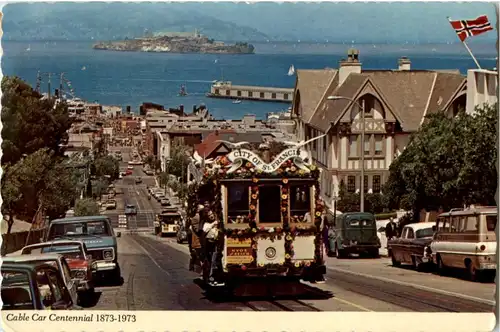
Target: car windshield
{"type": "Point", "coordinates": [425, 232]}
{"type": "Point", "coordinates": [130, 207]}
{"type": "Point", "coordinates": [96, 228]}
{"type": "Point", "coordinates": [16, 291]}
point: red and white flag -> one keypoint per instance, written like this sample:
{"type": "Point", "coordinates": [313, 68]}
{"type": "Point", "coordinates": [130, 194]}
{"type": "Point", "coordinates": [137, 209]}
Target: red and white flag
{"type": "Point", "coordinates": [469, 28]}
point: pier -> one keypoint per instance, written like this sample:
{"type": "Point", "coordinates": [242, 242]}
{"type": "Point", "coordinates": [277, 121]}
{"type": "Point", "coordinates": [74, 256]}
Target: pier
{"type": "Point", "coordinates": [244, 92]}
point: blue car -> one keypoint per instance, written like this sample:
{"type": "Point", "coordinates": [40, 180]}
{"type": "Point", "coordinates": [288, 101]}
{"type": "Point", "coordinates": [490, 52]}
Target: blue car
{"type": "Point", "coordinates": [97, 234]}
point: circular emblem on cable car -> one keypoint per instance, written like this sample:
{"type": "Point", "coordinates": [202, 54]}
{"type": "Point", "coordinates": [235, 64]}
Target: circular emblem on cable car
{"type": "Point", "coordinates": [270, 252]}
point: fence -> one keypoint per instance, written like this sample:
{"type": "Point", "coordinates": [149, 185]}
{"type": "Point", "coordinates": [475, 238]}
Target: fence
{"type": "Point", "coordinates": [16, 241]}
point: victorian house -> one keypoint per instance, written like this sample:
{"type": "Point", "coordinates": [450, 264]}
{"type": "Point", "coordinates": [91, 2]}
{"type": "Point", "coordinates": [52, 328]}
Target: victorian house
{"type": "Point", "coordinates": [395, 103]}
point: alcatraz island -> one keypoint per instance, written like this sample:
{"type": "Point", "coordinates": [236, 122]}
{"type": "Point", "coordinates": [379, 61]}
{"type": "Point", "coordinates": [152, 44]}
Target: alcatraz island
{"type": "Point", "coordinates": [175, 42]}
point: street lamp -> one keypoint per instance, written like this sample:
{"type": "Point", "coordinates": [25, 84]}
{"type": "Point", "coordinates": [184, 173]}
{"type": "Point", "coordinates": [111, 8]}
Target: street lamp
{"type": "Point", "coordinates": [362, 186]}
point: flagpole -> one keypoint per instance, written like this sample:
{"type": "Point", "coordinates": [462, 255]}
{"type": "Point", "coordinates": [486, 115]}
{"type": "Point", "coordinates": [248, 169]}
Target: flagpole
{"type": "Point", "coordinates": [472, 55]}
{"type": "Point", "coordinates": [468, 49]}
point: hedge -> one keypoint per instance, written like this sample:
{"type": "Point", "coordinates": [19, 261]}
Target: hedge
{"type": "Point", "coordinates": [385, 216]}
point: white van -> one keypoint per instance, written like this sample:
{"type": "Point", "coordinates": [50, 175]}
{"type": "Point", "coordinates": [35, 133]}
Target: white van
{"type": "Point", "coordinates": [466, 239]}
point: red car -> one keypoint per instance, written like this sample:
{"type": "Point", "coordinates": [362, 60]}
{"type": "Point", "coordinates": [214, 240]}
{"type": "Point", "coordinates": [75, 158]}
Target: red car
{"type": "Point", "coordinates": [77, 257]}
{"type": "Point", "coordinates": [128, 172]}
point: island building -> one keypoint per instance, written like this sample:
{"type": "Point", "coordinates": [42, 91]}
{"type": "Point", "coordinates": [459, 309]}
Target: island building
{"type": "Point", "coordinates": [395, 103]}
{"type": "Point", "coordinates": [482, 88]}
{"type": "Point", "coordinates": [226, 89]}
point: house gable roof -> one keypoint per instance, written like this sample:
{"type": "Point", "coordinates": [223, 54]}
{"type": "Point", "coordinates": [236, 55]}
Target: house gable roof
{"type": "Point", "coordinates": [408, 95]}
{"type": "Point", "coordinates": [311, 85]}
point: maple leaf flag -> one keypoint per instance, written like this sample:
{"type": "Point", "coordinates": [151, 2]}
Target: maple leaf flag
{"type": "Point", "coordinates": [469, 28]}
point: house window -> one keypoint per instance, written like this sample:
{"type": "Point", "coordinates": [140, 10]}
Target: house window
{"type": "Point", "coordinates": [273, 95]}
{"type": "Point", "coordinates": [269, 198]}
{"type": "Point", "coordinates": [325, 143]}
{"type": "Point", "coordinates": [239, 93]}
{"type": "Point", "coordinates": [216, 91]}
{"type": "Point", "coordinates": [238, 201]}
{"type": "Point", "coordinates": [250, 94]}
{"type": "Point", "coordinates": [369, 105]}
{"type": "Point", "coordinates": [228, 92]}
{"type": "Point", "coordinates": [379, 145]}
{"type": "Point", "coordinates": [376, 184]}
{"type": "Point", "coordinates": [367, 145]}
{"type": "Point", "coordinates": [285, 96]}
{"type": "Point", "coordinates": [353, 146]}
{"type": "Point", "coordinates": [365, 183]}
{"type": "Point", "coordinates": [262, 95]}
{"type": "Point", "coordinates": [351, 183]}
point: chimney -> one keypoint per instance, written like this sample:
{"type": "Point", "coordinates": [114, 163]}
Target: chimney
{"type": "Point", "coordinates": [351, 65]}
{"type": "Point", "coordinates": [181, 108]}
{"type": "Point", "coordinates": [404, 63]}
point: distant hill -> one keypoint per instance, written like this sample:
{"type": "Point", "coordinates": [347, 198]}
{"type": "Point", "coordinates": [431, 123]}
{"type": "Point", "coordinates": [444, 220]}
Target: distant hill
{"type": "Point", "coordinates": [113, 21]}
{"type": "Point", "coordinates": [359, 22]}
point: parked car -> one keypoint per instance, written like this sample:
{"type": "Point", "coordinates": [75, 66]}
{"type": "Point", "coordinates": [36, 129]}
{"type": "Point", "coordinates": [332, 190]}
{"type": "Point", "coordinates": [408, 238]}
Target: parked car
{"type": "Point", "coordinates": [181, 234]}
{"type": "Point", "coordinates": [55, 260]}
{"type": "Point", "coordinates": [165, 202]}
{"type": "Point", "coordinates": [129, 172]}
{"type": "Point", "coordinates": [110, 204]}
{"type": "Point", "coordinates": [98, 235]}
{"type": "Point", "coordinates": [34, 286]}
{"type": "Point", "coordinates": [138, 180]}
{"type": "Point", "coordinates": [413, 245]}
{"type": "Point", "coordinates": [130, 209]}
{"type": "Point", "coordinates": [355, 232]}
{"type": "Point", "coordinates": [80, 263]}
{"type": "Point", "coordinates": [465, 239]}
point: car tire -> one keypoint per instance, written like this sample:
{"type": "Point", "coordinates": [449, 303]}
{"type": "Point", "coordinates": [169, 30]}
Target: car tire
{"type": "Point", "coordinates": [375, 253]}
{"type": "Point", "coordinates": [472, 272]}
{"type": "Point", "coordinates": [395, 262]}
{"type": "Point", "coordinates": [339, 253]}
{"type": "Point", "coordinates": [116, 275]}
{"type": "Point", "coordinates": [441, 268]}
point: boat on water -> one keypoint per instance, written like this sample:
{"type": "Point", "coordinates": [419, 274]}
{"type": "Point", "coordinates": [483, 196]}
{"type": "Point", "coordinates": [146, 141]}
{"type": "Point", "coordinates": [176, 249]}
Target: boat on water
{"type": "Point", "coordinates": [182, 92]}
{"type": "Point", "coordinates": [237, 101]}
{"type": "Point", "coordinates": [291, 71]}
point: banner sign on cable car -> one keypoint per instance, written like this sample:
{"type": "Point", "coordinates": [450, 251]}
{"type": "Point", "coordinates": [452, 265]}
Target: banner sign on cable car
{"type": "Point", "coordinates": [238, 156]}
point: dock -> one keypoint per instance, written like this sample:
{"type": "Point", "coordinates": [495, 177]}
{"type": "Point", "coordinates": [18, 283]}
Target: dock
{"type": "Point", "coordinates": [245, 92]}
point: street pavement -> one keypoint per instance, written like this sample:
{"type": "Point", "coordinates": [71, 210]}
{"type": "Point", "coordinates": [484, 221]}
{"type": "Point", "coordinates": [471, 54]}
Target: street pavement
{"type": "Point", "coordinates": [156, 277]}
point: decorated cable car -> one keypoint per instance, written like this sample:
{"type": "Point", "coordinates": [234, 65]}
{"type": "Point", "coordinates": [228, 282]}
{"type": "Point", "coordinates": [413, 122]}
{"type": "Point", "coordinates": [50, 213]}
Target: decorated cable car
{"type": "Point", "coordinates": [269, 212]}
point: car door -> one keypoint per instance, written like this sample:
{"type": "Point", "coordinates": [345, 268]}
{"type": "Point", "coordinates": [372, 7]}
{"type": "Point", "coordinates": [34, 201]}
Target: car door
{"type": "Point", "coordinates": [406, 244]}
{"type": "Point", "coordinates": [62, 298]}
{"type": "Point", "coordinates": [69, 282]}
{"type": "Point", "coordinates": [397, 245]}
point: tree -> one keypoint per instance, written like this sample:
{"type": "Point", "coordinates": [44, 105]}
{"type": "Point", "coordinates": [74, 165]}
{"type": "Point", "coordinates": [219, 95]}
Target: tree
{"type": "Point", "coordinates": [178, 162]}
{"type": "Point", "coordinates": [107, 165]}
{"type": "Point", "coordinates": [86, 207]}
{"type": "Point", "coordinates": [448, 163]}
{"type": "Point", "coordinates": [30, 122]}
{"type": "Point", "coordinates": [37, 180]}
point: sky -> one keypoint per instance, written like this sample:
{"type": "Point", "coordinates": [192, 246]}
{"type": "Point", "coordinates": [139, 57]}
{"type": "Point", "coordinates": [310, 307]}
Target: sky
{"type": "Point", "coordinates": [423, 22]}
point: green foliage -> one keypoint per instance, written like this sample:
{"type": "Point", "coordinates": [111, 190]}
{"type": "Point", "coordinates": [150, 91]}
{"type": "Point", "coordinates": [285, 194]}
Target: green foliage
{"type": "Point", "coordinates": [448, 163]}
{"type": "Point", "coordinates": [35, 173]}
{"type": "Point", "coordinates": [86, 207]}
{"type": "Point", "coordinates": [106, 165]}
{"type": "Point", "coordinates": [30, 123]}
{"type": "Point", "coordinates": [179, 160]}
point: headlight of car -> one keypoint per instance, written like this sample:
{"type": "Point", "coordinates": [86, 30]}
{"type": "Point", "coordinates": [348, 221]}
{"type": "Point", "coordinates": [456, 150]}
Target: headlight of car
{"type": "Point", "coordinates": [80, 274]}
{"type": "Point", "coordinates": [107, 254]}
